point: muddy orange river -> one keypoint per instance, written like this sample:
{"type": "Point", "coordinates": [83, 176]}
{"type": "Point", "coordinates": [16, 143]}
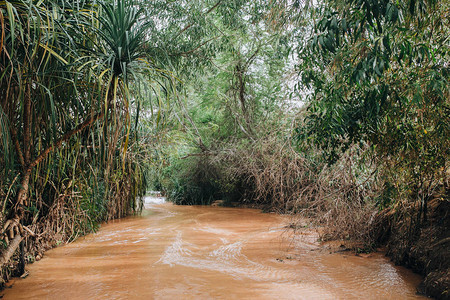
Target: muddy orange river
{"type": "Point", "coordinates": [198, 252]}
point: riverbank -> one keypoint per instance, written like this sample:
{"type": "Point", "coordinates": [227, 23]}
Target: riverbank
{"type": "Point", "coordinates": [426, 250]}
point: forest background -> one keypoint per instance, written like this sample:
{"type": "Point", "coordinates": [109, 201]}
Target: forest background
{"type": "Point", "coordinates": [337, 112]}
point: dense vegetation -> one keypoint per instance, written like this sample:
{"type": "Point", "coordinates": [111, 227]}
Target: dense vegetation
{"type": "Point", "coordinates": [336, 111]}
{"type": "Point", "coordinates": [69, 118]}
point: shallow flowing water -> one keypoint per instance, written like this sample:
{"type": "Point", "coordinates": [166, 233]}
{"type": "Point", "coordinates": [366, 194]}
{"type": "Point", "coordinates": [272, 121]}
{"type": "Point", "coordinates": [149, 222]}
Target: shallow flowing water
{"type": "Point", "coordinates": [193, 252]}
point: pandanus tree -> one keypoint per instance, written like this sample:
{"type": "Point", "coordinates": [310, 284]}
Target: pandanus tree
{"type": "Point", "coordinates": [64, 66]}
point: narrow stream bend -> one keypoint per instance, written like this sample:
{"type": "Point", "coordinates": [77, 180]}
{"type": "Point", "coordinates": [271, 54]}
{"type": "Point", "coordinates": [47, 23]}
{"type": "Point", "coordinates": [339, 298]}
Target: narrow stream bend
{"type": "Point", "coordinates": [182, 252]}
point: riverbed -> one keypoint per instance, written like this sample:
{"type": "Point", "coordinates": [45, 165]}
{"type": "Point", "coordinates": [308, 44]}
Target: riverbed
{"type": "Point", "coordinates": [203, 252]}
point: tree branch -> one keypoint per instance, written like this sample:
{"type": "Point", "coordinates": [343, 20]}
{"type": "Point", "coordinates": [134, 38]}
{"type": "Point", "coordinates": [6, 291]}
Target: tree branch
{"type": "Point", "coordinates": [64, 138]}
{"type": "Point", "coordinates": [6, 255]}
{"type": "Point", "coordinates": [195, 49]}
{"type": "Point", "coordinates": [193, 23]}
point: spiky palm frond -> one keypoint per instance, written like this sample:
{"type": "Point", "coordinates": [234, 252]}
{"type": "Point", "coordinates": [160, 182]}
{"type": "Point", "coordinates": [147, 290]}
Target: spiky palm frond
{"type": "Point", "coordinates": [122, 31]}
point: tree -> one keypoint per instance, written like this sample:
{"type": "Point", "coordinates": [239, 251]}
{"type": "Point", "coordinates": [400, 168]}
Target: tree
{"type": "Point", "coordinates": [379, 75]}
{"type": "Point", "coordinates": [232, 63]}
{"type": "Point", "coordinates": [65, 66]}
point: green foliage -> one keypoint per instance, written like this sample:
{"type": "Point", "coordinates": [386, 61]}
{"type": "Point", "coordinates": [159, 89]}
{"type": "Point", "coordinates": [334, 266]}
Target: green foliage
{"type": "Point", "coordinates": [233, 64]}
{"type": "Point", "coordinates": [193, 180]}
{"type": "Point", "coordinates": [70, 78]}
{"type": "Point", "coordinates": [379, 74]}
{"type": "Point", "coordinates": [121, 34]}
{"type": "Point", "coordinates": [101, 98]}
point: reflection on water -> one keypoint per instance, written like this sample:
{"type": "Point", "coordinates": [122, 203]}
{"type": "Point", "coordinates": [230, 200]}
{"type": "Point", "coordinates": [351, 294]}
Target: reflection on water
{"type": "Point", "coordinates": [182, 252]}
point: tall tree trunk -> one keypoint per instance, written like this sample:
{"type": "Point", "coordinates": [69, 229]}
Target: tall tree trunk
{"type": "Point", "coordinates": [27, 119]}
{"type": "Point", "coordinates": [241, 69]}
{"type": "Point", "coordinates": [22, 195]}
